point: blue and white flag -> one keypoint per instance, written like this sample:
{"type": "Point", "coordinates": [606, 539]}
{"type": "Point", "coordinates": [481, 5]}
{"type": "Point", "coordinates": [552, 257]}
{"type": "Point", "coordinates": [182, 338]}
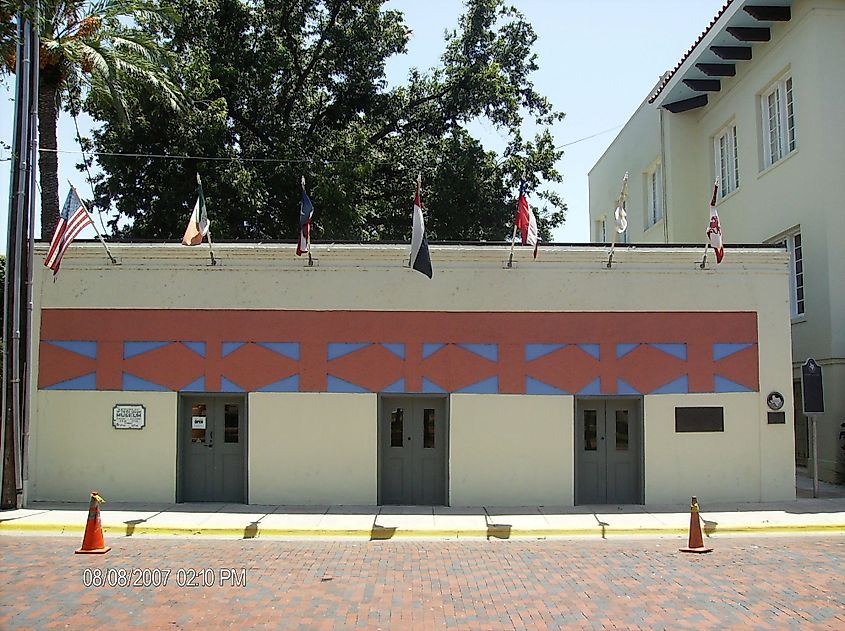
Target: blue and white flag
{"type": "Point", "coordinates": [306, 211]}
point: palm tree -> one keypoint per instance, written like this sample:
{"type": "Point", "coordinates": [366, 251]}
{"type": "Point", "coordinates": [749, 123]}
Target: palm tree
{"type": "Point", "coordinates": [92, 51]}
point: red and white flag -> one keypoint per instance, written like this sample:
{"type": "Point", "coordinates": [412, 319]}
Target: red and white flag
{"type": "Point", "coordinates": [72, 220]}
{"type": "Point", "coordinates": [714, 229]}
{"type": "Point", "coordinates": [526, 222]}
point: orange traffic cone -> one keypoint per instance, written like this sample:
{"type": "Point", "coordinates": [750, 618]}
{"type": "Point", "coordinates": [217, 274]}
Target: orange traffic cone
{"type": "Point", "coordinates": [92, 541]}
{"type": "Point", "coordinates": [696, 543]}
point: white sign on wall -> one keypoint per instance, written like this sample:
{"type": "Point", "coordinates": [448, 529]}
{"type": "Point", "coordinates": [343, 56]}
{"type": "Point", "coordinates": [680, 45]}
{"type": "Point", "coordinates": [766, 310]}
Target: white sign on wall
{"type": "Point", "coordinates": [128, 416]}
{"type": "Point", "coordinates": [197, 422]}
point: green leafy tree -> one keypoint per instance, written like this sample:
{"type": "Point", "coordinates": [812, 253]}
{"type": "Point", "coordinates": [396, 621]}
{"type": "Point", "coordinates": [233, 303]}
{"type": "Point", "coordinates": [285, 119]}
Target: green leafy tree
{"type": "Point", "coordinates": [288, 88]}
{"type": "Point", "coordinates": [94, 50]}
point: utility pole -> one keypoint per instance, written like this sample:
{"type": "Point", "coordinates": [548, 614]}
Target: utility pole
{"type": "Point", "coordinates": [17, 286]}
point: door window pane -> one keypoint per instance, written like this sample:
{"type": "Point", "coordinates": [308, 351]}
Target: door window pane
{"type": "Point", "coordinates": [230, 422]}
{"type": "Point", "coordinates": [621, 430]}
{"type": "Point", "coordinates": [199, 423]}
{"type": "Point", "coordinates": [590, 430]}
{"type": "Point", "coordinates": [397, 432]}
{"type": "Point", "coordinates": [428, 428]}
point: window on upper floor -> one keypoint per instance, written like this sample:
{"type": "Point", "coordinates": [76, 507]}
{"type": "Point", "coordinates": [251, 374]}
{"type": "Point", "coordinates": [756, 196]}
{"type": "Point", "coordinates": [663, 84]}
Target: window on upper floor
{"type": "Point", "coordinates": [778, 121]}
{"type": "Point", "coordinates": [727, 163]}
{"type": "Point", "coordinates": [654, 196]}
{"type": "Point", "coordinates": [794, 245]}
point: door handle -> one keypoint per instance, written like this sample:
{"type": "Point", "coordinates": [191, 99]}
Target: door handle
{"type": "Point", "coordinates": [210, 439]}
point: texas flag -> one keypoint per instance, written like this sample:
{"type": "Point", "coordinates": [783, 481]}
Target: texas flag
{"type": "Point", "coordinates": [714, 229]}
{"type": "Point", "coordinates": [526, 222]}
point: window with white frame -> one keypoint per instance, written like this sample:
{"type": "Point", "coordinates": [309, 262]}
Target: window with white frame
{"type": "Point", "coordinates": [727, 162]}
{"type": "Point", "coordinates": [778, 121]}
{"type": "Point", "coordinates": [794, 246]}
{"type": "Point", "coordinates": [654, 196]}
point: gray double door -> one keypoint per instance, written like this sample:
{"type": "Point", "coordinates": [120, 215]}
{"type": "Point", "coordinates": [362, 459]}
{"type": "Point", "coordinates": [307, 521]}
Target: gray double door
{"type": "Point", "coordinates": [608, 451]}
{"type": "Point", "coordinates": [212, 449]}
{"type": "Point", "coordinates": [413, 451]}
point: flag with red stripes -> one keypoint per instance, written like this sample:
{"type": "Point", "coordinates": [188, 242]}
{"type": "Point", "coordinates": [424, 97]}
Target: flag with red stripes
{"type": "Point", "coordinates": [526, 222]}
{"type": "Point", "coordinates": [72, 220]}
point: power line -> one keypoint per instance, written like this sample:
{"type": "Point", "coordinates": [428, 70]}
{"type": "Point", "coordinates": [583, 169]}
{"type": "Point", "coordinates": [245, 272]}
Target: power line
{"type": "Point", "coordinates": [187, 157]}
{"type": "Point", "coordinates": [599, 133]}
{"type": "Point", "coordinates": [164, 156]}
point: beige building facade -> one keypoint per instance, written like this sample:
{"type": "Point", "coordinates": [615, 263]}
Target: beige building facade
{"type": "Point", "coordinates": [358, 381]}
{"type": "Point", "coordinates": [757, 102]}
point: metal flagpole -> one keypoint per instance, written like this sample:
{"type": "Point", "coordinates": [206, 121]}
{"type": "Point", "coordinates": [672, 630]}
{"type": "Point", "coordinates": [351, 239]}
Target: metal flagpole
{"type": "Point", "coordinates": [99, 236]}
{"type": "Point", "coordinates": [11, 483]}
{"type": "Point", "coordinates": [416, 194]}
{"type": "Point", "coordinates": [30, 234]}
{"type": "Point", "coordinates": [620, 203]}
{"type": "Point", "coordinates": [707, 243]}
{"type": "Point", "coordinates": [210, 245]}
{"type": "Point", "coordinates": [199, 219]}
{"type": "Point", "coordinates": [513, 243]}
{"type": "Point", "coordinates": [513, 237]}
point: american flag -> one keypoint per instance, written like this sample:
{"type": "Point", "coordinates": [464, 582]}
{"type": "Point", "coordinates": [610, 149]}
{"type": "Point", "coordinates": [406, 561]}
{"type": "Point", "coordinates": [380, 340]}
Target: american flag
{"type": "Point", "coordinates": [72, 220]}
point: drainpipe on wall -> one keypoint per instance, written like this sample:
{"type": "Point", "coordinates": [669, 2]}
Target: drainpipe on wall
{"type": "Point", "coordinates": [665, 186]}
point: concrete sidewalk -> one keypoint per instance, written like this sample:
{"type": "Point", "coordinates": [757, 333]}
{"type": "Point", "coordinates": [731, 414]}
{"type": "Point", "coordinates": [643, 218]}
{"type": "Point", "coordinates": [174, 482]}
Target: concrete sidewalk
{"type": "Point", "coordinates": [825, 514]}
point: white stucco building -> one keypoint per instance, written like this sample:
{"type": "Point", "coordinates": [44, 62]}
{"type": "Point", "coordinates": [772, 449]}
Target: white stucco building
{"type": "Point", "coordinates": [758, 102]}
{"type": "Point", "coordinates": [359, 381]}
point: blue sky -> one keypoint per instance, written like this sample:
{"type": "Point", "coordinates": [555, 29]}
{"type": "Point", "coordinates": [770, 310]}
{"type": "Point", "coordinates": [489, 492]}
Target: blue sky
{"type": "Point", "coordinates": [598, 60]}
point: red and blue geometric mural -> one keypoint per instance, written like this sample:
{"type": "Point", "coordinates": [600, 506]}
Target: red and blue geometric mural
{"type": "Point", "coordinates": [602, 353]}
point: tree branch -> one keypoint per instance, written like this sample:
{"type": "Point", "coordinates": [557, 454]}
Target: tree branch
{"type": "Point", "coordinates": [316, 56]}
{"type": "Point", "coordinates": [412, 105]}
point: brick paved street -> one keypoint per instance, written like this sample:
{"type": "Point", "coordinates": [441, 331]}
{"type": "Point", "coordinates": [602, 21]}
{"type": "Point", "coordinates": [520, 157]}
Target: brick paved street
{"type": "Point", "coordinates": [754, 582]}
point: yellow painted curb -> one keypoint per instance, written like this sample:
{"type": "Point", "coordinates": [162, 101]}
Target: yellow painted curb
{"type": "Point", "coordinates": [385, 533]}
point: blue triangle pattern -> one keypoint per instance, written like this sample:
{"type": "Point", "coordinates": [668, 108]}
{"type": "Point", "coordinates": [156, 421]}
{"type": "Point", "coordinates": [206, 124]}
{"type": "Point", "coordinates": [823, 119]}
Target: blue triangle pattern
{"type": "Point", "coordinates": [195, 386]}
{"type": "Point", "coordinates": [675, 350]}
{"type": "Point", "coordinates": [536, 351]}
{"type": "Point", "coordinates": [720, 351]}
{"type": "Point", "coordinates": [488, 386]}
{"type": "Point", "coordinates": [285, 349]}
{"type": "Point", "coordinates": [624, 388]}
{"type": "Point", "coordinates": [487, 351]}
{"type": "Point", "coordinates": [590, 349]}
{"type": "Point", "coordinates": [396, 349]}
{"type": "Point", "coordinates": [229, 386]}
{"type": "Point", "coordinates": [230, 347]}
{"type": "Point", "coordinates": [339, 385]}
{"type": "Point", "coordinates": [133, 349]}
{"type": "Point", "coordinates": [726, 385]}
{"type": "Point", "coordinates": [85, 382]}
{"type": "Point", "coordinates": [398, 386]}
{"type": "Point", "coordinates": [86, 349]}
{"type": "Point", "coordinates": [339, 349]}
{"type": "Point", "coordinates": [431, 349]}
{"type": "Point", "coordinates": [131, 382]}
{"type": "Point", "coordinates": [624, 349]}
{"type": "Point", "coordinates": [197, 347]}
{"type": "Point", "coordinates": [594, 387]}
{"type": "Point", "coordinates": [429, 387]}
{"type": "Point", "coordinates": [289, 384]}
{"type": "Point", "coordinates": [679, 386]}
{"type": "Point", "coordinates": [533, 386]}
